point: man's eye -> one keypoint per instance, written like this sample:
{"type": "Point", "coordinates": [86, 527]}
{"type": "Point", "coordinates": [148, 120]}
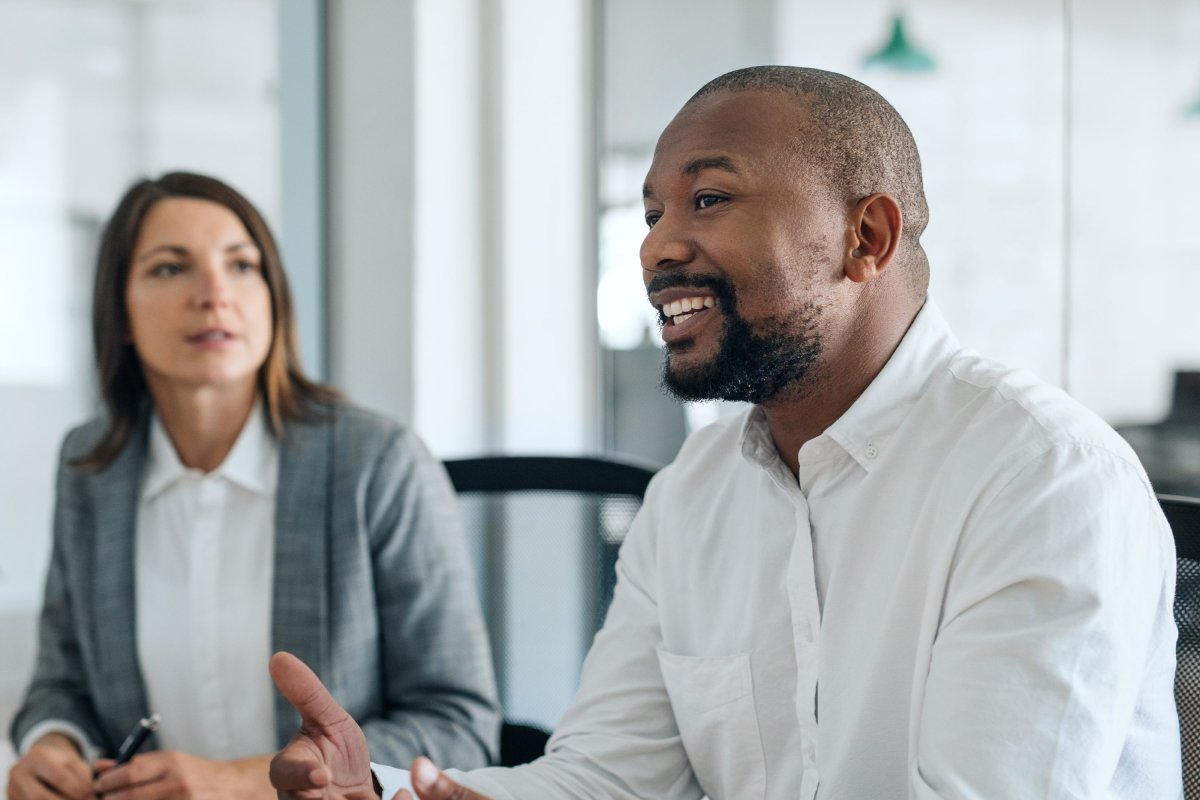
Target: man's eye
{"type": "Point", "coordinates": [709, 200]}
{"type": "Point", "coordinates": [651, 218]}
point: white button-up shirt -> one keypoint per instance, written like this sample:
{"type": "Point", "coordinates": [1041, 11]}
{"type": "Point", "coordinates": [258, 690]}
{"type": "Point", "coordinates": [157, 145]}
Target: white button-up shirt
{"type": "Point", "coordinates": [967, 594]}
{"type": "Point", "coordinates": [204, 568]}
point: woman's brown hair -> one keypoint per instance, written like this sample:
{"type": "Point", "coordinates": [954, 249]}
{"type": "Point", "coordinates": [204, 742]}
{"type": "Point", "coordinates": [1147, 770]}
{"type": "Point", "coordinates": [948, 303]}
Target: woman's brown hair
{"type": "Point", "coordinates": [286, 393]}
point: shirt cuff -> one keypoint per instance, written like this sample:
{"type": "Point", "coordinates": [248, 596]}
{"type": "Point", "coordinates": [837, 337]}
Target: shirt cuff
{"type": "Point", "coordinates": [72, 732]}
{"type": "Point", "coordinates": [392, 780]}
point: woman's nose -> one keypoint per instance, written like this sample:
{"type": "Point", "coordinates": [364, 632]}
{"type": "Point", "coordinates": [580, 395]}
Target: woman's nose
{"type": "Point", "coordinates": [214, 288]}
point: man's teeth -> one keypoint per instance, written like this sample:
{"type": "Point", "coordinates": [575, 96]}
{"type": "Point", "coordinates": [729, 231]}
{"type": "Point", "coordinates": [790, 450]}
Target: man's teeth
{"type": "Point", "coordinates": [679, 310]}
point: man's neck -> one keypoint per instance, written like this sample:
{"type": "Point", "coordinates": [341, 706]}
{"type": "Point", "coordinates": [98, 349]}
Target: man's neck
{"type": "Point", "coordinates": [835, 385]}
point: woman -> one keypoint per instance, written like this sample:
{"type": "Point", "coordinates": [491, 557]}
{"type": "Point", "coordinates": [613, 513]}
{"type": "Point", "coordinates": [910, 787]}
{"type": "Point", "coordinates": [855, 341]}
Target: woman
{"type": "Point", "coordinates": [227, 507]}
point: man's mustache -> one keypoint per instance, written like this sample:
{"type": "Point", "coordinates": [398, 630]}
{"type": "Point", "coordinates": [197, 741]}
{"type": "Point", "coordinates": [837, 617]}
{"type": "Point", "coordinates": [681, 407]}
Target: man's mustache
{"type": "Point", "coordinates": [720, 286]}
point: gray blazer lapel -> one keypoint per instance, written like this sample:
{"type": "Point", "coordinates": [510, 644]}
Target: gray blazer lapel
{"type": "Point", "coordinates": [300, 604]}
{"type": "Point", "coordinates": [113, 632]}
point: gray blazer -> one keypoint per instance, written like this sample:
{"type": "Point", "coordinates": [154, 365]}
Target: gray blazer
{"type": "Point", "coordinates": [373, 590]}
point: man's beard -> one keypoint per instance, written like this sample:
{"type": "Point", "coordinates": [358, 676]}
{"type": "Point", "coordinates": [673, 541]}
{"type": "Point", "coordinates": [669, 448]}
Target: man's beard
{"type": "Point", "coordinates": [749, 366]}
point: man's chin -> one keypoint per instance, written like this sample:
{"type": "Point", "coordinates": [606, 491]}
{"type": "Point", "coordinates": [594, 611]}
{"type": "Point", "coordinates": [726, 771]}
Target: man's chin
{"type": "Point", "coordinates": [688, 383]}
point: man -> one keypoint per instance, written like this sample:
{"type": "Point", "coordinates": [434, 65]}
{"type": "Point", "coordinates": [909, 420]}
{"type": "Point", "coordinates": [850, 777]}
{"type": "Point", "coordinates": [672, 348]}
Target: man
{"type": "Point", "coordinates": [904, 572]}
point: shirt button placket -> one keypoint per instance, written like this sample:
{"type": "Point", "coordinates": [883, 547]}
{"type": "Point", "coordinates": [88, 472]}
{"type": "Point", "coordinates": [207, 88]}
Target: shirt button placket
{"type": "Point", "coordinates": [802, 588]}
{"type": "Point", "coordinates": [209, 545]}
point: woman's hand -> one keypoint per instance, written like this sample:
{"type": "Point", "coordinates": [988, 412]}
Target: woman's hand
{"type": "Point", "coordinates": [173, 775]}
{"type": "Point", "coordinates": [53, 768]}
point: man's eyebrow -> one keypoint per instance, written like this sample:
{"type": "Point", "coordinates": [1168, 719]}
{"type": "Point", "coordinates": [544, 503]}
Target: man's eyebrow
{"type": "Point", "coordinates": [709, 162]}
{"type": "Point", "coordinates": [699, 165]}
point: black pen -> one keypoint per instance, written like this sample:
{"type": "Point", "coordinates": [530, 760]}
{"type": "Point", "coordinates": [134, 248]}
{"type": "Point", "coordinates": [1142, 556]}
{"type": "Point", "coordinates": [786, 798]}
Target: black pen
{"type": "Point", "coordinates": [134, 741]}
{"type": "Point", "coordinates": [136, 738]}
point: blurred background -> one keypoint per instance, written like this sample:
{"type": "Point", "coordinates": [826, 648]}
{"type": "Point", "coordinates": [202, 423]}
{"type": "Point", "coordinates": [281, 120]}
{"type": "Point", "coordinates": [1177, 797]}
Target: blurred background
{"type": "Point", "coordinates": [456, 186]}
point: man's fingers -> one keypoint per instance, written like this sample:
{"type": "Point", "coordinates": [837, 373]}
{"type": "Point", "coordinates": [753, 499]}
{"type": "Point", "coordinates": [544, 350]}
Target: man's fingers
{"type": "Point", "coordinates": [432, 784]}
{"type": "Point", "coordinates": [294, 769]}
{"type": "Point", "coordinates": [304, 690]}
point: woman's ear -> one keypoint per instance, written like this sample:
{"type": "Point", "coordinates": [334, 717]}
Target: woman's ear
{"type": "Point", "coordinates": [876, 226]}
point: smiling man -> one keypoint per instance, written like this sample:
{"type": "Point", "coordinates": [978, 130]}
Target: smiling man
{"type": "Point", "coordinates": [904, 572]}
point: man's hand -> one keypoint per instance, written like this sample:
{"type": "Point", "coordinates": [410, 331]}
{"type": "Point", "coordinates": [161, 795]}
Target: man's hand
{"type": "Point", "coordinates": [432, 784]}
{"type": "Point", "coordinates": [327, 759]}
{"type": "Point", "coordinates": [173, 774]}
{"type": "Point", "coordinates": [53, 768]}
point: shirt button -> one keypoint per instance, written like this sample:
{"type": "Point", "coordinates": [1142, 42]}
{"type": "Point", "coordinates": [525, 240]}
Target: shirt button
{"type": "Point", "coordinates": [872, 451]}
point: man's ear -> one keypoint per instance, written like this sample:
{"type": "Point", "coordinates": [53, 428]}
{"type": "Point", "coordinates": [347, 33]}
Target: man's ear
{"type": "Point", "coordinates": [876, 226]}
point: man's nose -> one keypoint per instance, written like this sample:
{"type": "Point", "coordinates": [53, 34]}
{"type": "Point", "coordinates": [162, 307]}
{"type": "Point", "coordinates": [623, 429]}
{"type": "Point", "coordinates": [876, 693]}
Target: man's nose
{"type": "Point", "coordinates": [667, 244]}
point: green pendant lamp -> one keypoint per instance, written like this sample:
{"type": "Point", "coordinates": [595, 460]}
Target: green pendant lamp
{"type": "Point", "coordinates": [899, 55]}
{"type": "Point", "coordinates": [1193, 110]}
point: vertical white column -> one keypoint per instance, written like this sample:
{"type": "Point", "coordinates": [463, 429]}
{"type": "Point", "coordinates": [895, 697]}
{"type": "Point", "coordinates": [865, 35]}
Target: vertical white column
{"type": "Point", "coordinates": [455, 268]}
{"type": "Point", "coordinates": [371, 201]}
{"type": "Point", "coordinates": [504, 285]}
{"type": "Point", "coordinates": [548, 214]}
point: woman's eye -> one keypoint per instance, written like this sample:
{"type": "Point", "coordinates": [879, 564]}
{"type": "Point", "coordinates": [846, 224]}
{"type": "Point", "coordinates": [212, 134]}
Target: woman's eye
{"type": "Point", "coordinates": [245, 266]}
{"type": "Point", "coordinates": [709, 200]}
{"type": "Point", "coordinates": [166, 269]}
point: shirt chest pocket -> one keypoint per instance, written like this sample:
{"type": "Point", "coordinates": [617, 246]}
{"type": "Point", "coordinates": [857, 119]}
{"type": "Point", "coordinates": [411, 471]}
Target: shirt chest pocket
{"type": "Point", "coordinates": [713, 702]}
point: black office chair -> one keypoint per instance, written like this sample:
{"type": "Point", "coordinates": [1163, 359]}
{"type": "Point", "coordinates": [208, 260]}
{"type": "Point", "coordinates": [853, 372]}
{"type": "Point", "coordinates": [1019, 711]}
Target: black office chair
{"type": "Point", "coordinates": [518, 511]}
{"type": "Point", "coordinates": [1184, 515]}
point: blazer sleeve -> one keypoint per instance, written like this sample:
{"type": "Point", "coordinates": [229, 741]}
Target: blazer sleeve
{"type": "Point", "coordinates": [58, 690]}
{"type": "Point", "coordinates": [438, 685]}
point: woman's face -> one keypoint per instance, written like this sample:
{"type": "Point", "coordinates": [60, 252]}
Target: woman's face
{"type": "Point", "coordinates": [199, 307]}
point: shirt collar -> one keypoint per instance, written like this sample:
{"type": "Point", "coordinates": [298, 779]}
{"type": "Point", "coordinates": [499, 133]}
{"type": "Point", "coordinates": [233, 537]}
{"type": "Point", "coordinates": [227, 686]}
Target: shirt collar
{"type": "Point", "coordinates": [253, 462]}
{"type": "Point", "coordinates": [864, 429]}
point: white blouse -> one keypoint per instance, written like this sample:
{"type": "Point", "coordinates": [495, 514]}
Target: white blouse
{"type": "Point", "coordinates": [204, 567]}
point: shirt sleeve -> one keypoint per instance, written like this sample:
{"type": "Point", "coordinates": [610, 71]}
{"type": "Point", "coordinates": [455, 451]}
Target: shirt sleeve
{"type": "Point", "coordinates": [619, 738]}
{"type": "Point", "coordinates": [1057, 630]}
{"type": "Point", "coordinates": [392, 780]}
{"type": "Point", "coordinates": [49, 726]}
{"type": "Point", "coordinates": [440, 694]}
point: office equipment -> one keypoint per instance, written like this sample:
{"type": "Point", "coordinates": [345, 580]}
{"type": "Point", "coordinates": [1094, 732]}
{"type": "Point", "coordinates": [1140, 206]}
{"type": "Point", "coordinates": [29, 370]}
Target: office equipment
{"type": "Point", "coordinates": [569, 512]}
{"type": "Point", "coordinates": [1184, 515]}
{"type": "Point", "coordinates": [136, 738]}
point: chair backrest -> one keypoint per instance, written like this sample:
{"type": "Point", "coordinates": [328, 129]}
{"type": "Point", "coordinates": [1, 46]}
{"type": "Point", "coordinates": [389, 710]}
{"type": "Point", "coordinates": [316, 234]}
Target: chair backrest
{"type": "Point", "coordinates": [545, 531]}
{"type": "Point", "coordinates": [1183, 513]}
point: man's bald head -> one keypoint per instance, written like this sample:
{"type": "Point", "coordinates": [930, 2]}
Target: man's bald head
{"type": "Point", "coordinates": [854, 137]}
